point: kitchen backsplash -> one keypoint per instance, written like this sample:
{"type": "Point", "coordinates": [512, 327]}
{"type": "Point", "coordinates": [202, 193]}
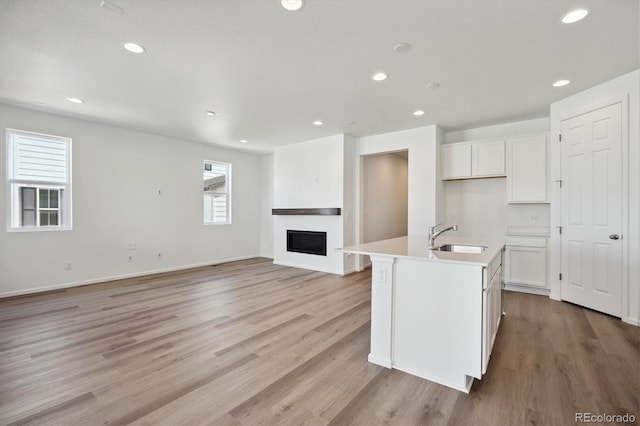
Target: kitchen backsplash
{"type": "Point", "coordinates": [479, 207]}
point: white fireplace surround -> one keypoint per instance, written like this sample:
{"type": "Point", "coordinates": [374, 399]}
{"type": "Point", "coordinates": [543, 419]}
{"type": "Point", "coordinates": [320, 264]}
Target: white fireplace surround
{"type": "Point", "coordinates": [333, 262]}
{"type": "Point", "coordinates": [315, 175]}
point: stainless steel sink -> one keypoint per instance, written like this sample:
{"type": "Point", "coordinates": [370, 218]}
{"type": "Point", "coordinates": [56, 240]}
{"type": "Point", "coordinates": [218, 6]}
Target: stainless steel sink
{"type": "Point", "coordinates": [461, 248]}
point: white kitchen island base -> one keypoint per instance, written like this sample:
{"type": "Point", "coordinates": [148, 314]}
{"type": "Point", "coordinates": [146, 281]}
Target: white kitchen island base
{"type": "Point", "coordinates": [435, 316]}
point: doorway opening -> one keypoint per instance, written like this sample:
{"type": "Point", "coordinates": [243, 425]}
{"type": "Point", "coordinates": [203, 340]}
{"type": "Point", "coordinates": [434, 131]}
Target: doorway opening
{"type": "Point", "coordinates": [385, 196]}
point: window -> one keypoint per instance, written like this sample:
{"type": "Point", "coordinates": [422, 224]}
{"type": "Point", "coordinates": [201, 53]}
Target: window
{"type": "Point", "coordinates": [39, 181]}
{"type": "Point", "coordinates": [217, 192]}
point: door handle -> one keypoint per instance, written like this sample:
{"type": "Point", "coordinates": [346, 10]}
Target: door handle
{"type": "Point", "coordinates": [614, 237]}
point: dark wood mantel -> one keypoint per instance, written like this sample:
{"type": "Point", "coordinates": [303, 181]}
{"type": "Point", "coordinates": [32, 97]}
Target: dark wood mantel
{"type": "Point", "coordinates": [330, 211]}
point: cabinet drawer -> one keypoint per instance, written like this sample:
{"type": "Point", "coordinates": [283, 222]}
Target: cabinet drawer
{"type": "Point", "coordinates": [494, 266]}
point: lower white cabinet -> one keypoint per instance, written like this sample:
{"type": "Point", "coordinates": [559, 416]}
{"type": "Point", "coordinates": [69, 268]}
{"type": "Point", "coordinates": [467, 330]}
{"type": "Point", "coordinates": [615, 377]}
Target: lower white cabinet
{"type": "Point", "coordinates": [526, 265]}
{"type": "Point", "coordinates": [492, 313]}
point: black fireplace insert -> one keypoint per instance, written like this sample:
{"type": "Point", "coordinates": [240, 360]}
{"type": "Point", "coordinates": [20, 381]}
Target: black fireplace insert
{"type": "Point", "coordinates": [309, 242]}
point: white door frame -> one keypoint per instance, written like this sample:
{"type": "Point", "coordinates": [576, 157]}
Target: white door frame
{"type": "Point", "coordinates": [555, 266]}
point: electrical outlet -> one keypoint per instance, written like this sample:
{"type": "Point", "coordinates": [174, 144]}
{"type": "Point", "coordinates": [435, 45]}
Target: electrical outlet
{"type": "Point", "coordinates": [381, 274]}
{"type": "Point", "coordinates": [131, 246]}
{"type": "Point", "coordinates": [67, 266]}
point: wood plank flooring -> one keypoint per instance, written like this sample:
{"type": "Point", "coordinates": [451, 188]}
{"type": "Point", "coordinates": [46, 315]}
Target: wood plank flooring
{"type": "Point", "coordinates": [253, 343]}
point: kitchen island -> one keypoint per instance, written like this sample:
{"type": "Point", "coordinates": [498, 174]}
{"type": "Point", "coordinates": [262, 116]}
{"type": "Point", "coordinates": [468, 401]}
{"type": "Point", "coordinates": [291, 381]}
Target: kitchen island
{"type": "Point", "coordinates": [434, 314]}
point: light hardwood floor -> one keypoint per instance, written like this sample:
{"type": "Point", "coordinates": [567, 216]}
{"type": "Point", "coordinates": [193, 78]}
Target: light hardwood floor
{"type": "Point", "coordinates": [253, 343]}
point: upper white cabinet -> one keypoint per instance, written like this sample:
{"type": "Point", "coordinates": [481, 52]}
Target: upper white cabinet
{"type": "Point", "coordinates": [488, 159]}
{"type": "Point", "coordinates": [527, 180]}
{"type": "Point", "coordinates": [456, 161]}
{"type": "Point", "coordinates": [467, 160]}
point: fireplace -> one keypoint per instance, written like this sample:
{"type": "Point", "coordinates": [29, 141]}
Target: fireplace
{"type": "Point", "coordinates": [309, 242]}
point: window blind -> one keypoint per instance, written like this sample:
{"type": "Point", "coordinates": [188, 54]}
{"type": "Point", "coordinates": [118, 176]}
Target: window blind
{"type": "Point", "coordinates": [39, 160]}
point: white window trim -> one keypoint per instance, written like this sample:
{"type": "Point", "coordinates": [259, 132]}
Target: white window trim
{"type": "Point", "coordinates": [228, 194]}
{"type": "Point", "coordinates": [66, 211]}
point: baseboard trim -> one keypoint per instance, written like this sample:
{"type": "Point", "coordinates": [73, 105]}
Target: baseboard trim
{"type": "Point", "coordinates": [311, 268]}
{"type": "Point", "coordinates": [526, 289]}
{"type": "Point", "coordinates": [373, 359]}
{"type": "Point", "coordinates": [352, 271]}
{"type": "Point", "coordinates": [464, 386]}
{"type": "Point", "coordinates": [632, 321]}
{"type": "Point", "coordinates": [118, 277]}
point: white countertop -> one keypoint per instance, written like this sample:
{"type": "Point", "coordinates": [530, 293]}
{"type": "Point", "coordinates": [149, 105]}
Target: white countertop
{"type": "Point", "coordinates": [417, 247]}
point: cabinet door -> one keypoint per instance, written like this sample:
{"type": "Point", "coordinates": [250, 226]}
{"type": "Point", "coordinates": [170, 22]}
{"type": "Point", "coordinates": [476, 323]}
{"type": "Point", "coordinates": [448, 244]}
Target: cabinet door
{"type": "Point", "coordinates": [487, 329]}
{"type": "Point", "coordinates": [490, 317]}
{"type": "Point", "coordinates": [488, 159]}
{"type": "Point", "coordinates": [527, 170]}
{"type": "Point", "coordinates": [526, 266]}
{"type": "Point", "coordinates": [456, 161]}
{"type": "Point", "coordinates": [497, 303]}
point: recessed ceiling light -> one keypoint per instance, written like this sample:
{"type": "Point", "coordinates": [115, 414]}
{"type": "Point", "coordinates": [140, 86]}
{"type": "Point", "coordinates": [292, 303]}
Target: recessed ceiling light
{"type": "Point", "coordinates": [292, 5]}
{"type": "Point", "coordinates": [210, 113]}
{"type": "Point", "coordinates": [432, 86]}
{"type": "Point", "coordinates": [379, 76]}
{"type": "Point", "coordinates": [418, 112]}
{"type": "Point", "coordinates": [134, 47]}
{"type": "Point", "coordinates": [561, 83]}
{"type": "Point", "coordinates": [75, 100]}
{"type": "Point", "coordinates": [402, 47]}
{"type": "Point", "coordinates": [574, 16]}
{"type": "Point", "coordinates": [318, 123]}
{"type": "Point", "coordinates": [243, 141]}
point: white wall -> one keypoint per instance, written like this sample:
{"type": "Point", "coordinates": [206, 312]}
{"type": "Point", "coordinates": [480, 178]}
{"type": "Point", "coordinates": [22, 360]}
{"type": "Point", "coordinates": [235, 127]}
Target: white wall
{"type": "Point", "coordinates": [309, 174]}
{"type": "Point", "coordinates": [349, 206]}
{"type": "Point", "coordinates": [479, 206]}
{"type": "Point", "coordinates": [385, 196]}
{"type": "Point", "coordinates": [423, 180]}
{"type": "Point", "coordinates": [266, 204]}
{"type": "Point", "coordinates": [116, 176]}
{"type": "Point", "coordinates": [537, 125]}
{"type": "Point", "coordinates": [625, 88]}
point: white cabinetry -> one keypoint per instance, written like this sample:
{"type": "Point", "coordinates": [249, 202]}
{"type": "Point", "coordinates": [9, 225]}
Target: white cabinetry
{"type": "Point", "coordinates": [433, 314]}
{"type": "Point", "coordinates": [488, 159]}
{"type": "Point", "coordinates": [467, 160]}
{"type": "Point", "coordinates": [456, 161]}
{"type": "Point", "coordinates": [491, 309]}
{"type": "Point", "coordinates": [526, 265]}
{"type": "Point", "coordinates": [527, 170]}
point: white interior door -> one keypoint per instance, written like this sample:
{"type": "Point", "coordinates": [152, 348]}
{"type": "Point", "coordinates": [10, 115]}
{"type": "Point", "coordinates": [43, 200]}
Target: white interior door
{"type": "Point", "coordinates": [592, 210]}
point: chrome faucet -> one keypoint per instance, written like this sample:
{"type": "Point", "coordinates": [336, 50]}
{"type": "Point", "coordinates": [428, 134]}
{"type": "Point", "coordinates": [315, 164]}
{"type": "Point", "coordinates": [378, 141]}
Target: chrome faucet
{"type": "Point", "coordinates": [433, 234]}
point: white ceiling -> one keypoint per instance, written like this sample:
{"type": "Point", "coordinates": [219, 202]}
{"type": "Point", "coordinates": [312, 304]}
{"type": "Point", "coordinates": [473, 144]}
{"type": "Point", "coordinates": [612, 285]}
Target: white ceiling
{"type": "Point", "coordinates": [269, 73]}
